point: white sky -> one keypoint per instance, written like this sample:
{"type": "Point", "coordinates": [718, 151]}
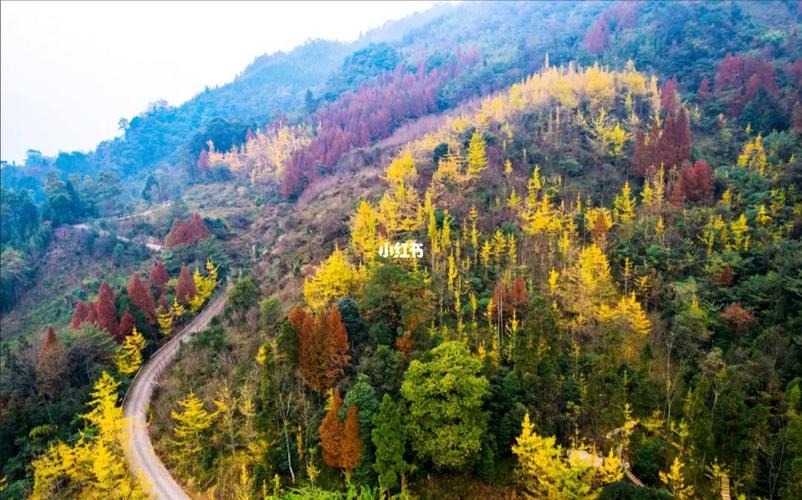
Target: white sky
{"type": "Point", "coordinates": [71, 70]}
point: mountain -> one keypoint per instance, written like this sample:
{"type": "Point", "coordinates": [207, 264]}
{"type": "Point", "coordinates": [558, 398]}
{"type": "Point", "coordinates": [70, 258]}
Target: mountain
{"type": "Point", "coordinates": [494, 250]}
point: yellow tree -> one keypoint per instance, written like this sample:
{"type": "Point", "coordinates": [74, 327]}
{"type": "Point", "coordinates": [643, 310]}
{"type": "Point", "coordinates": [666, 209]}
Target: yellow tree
{"type": "Point", "coordinates": [675, 481]}
{"type": "Point", "coordinates": [177, 309]}
{"type": "Point", "coordinates": [364, 240]}
{"type": "Point", "coordinates": [739, 231]}
{"type": "Point", "coordinates": [189, 429]}
{"type": "Point", "coordinates": [335, 278]}
{"type": "Point", "coordinates": [92, 467]}
{"type": "Point", "coordinates": [165, 319]}
{"type": "Point", "coordinates": [477, 157]}
{"type": "Point", "coordinates": [624, 205]}
{"type": "Point", "coordinates": [540, 467]}
{"type": "Point", "coordinates": [128, 358]}
{"type": "Point", "coordinates": [753, 156]}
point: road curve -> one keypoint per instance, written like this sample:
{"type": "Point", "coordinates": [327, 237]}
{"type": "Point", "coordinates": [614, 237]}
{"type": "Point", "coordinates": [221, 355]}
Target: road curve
{"type": "Point", "coordinates": [142, 460]}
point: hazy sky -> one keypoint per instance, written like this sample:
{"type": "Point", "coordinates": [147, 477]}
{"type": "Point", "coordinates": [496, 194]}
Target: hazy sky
{"type": "Point", "coordinates": [71, 70]}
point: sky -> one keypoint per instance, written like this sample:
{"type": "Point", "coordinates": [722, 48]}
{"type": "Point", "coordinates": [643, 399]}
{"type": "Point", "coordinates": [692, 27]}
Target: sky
{"type": "Point", "coordinates": [70, 70]}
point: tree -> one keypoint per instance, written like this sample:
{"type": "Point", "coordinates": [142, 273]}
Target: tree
{"type": "Point", "coordinates": [323, 352]}
{"type": "Point", "coordinates": [675, 481]}
{"type": "Point", "coordinates": [185, 288]}
{"type": "Point", "coordinates": [50, 365]}
{"type": "Point", "coordinates": [129, 355]}
{"type": "Point", "coordinates": [334, 278]}
{"type": "Point", "coordinates": [364, 240]}
{"type": "Point", "coordinates": [186, 233]}
{"type": "Point", "coordinates": [477, 157]}
{"type": "Point", "coordinates": [126, 324]}
{"type": "Point", "coordinates": [624, 205]}
{"type": "Point", "coordinates": [597, 38]}
{"type": "Point", "coordinates": [703, 92]}
{"type": "Point", "coordinates": [389, 437]}
{"type": "Point", "coordinates": [668, 97]}
{"type": "Point", "coordinates": [91, 468]}
{"type": "Point", "coordinates": [189, 431]}
{"type": "Point", "coordinates": [158, 274]}
{"type": "Point", "coordinates": [331, 431]}
{"type": "Point", "coordinates": [545, 472]}
{"type": "Point", "coordinates": [351, 444]}
{"type": "Point", "coordinates": [164, 317]}
{"type": "Point", "coordinates": [80, 314]}
{"type": "Point", "coordinates": [445, 393]}
{"type": "Point", "coordinates": [540, 468]}
{"type": "Point", "coordinates": [695, 183]}
{"type": "Point", "coordinates": [141, 298]}
{"type": "Point", "coordinates": [107, 311]}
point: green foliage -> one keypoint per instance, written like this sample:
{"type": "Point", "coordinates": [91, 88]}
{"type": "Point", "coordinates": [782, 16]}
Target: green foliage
{"type": "Point", "coordinates": [389, 438]}
{"type": "Point", "coordinates": [242, 297]}
{"type": "Point", "coordinates": [445, 393]}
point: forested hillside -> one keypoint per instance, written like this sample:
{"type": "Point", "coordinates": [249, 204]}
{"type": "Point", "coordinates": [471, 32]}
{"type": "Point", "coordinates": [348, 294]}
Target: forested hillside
{"type": "Point", "coordinates": [542, 250]}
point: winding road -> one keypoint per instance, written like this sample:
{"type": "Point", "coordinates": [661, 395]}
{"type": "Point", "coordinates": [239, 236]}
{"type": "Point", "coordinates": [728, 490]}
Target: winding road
{"type": "Point", "coordinates": [142, 460]}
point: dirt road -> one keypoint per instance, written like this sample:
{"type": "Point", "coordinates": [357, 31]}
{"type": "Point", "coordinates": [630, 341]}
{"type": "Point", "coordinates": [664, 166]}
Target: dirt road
{"type": "Point", "coordinates": [142, 460]}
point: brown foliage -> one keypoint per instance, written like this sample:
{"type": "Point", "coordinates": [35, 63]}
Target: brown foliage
{"type": "Point", "coordinates": [331, 431]}
{"type": "Point", "coordinates": [351, 443]}
{"type": "Point", "coordinates": [695, 183]}
{"type": "Point", "coordinates": [141, 298]}
{"type": "Point", "coordinates": [107, 311]}
{"type": "Point", "coordinates": [186, 233]}
{"type": "Point", "coordinates": [158, 274]}
{"type": "Point", "coordinates": [185, 288]}
{"type": "Point", "coordinates": [737, 317]}
{"type": "Point", "coordinates": [323, 351]}
{"type": "Point", "coordinates": [126, 324]}
{"type": "Point", "coordinates": [50, 365]}
{"type": "Point", "coordinates": [80, 314]}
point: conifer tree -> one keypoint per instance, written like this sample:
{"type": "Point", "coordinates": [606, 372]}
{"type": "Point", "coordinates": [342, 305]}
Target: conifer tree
{"type": "Point", "coordinates": [129, 355]}
{"type": "Point", "coordinates": [158, 274]}
{"type": "Point", "coordinates": [126, 324]}
{"type": "Point", "coordinates": [189, 431]}
{"type": "Point", "coordinates": [389, 437]}
{"type": "Point", "coordinates": [185, 288]}
{"type": "Point", "coordinates": [107, 311]}
{"type": "Point", "coordinates": [351, 443]}
{"type": "Point", "coordinates": [141, 298]}
{"type": "Point", "coordinates": [79, 316]}
{"type": "Point", "coordinates": [477, 157]}
{"type": "Point", "coordinates": [50, 365]}
{"type": "Point", "coordinates": [331, 432]}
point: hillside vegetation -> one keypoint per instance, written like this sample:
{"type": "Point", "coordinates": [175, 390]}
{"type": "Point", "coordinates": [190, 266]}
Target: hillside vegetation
{"type": "Point", "coordinates": [608, 303]}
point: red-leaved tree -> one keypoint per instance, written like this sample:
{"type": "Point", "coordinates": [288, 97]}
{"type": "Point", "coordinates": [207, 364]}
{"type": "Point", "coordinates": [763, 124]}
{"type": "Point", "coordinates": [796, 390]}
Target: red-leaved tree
{"type": "Point", "coordinates": [185, 288]}
{"type": "Point", "coordinates": [695, 183]}
{"type": "Point", "coordinates": [141, 298]}
{"type": "Point", "coordinates": [158, 274]}
{"type": "Point", "coordinates": [107, 311]}
{"type": "Point", "coordinates": [126, 324]}
{"type": "Point", "coordinates": [79, 315]}
{"type": "Point", "coordinates": [186, 233]}
{"type": "Point", "coordinates": [331, 431]}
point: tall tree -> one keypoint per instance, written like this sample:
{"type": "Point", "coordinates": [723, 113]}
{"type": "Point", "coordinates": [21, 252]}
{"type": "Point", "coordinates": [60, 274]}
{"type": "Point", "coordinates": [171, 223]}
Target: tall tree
{"type": "Point", "coordinates": [185, 288]}
{"type": "Point", "coordinates": [445, 394]}
{"type": "Point", "coordinates": [107, 311]}
{"type": "Point", "coordinates": [190, 426]}
{"type": "Point", "coordinates": [50, 365]}
{"type": "Point", "coordinates": [389, 437]}
{"type": "Point", "coordinates": [477, 156]}
{"type": "Point", "coordinates": [158, 274]}
{"type": "Point", "coordinates": [141, 298]}
{"type": "Point", "coordinates": [331, 431]}
{"type": "Point", "coordinates": [351, 443]}
{"type": "Point", "coordinates": [126, 324]}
